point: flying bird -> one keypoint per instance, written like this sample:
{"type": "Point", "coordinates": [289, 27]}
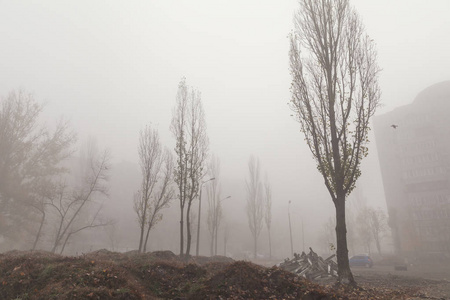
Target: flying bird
{"type": "Point", "coordinates": [394, 126]}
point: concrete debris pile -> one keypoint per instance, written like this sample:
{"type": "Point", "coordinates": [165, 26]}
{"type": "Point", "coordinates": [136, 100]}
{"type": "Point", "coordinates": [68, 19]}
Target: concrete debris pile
{"type": "Point", "coordinates": [310, 265]}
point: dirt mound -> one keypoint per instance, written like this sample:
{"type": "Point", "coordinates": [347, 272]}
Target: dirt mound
{"type": "Point", "coordinates": [244, 280]}
{"type": "Point", "coordinates": [106, 255]}
{"type": "Point", "coordinates": [110, 275]}
{"type": "Point", "coordinates": [203, 260]}
{"type": "Point", "coordinates": [57, 277]}
{"type": "Point", "coordinates": [162, 255]}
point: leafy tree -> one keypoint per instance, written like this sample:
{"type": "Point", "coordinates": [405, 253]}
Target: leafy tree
{"type": "Point", "coordinates": [335, 92]}
{"type": "Point", "coordinates": [189, 129]}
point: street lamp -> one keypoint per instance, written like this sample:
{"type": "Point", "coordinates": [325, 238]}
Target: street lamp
{"type": "Point", "coordinates": [199, 211]}
{"type": "Point", "coordinates": [290, 229]}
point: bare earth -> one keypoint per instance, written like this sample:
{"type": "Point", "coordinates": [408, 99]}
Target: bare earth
{"type": "Point", "coordinates": [163, 275]}
{"type": "Point", "coordinates": [425, 281]}
{"type": "Point", "coordinates": [433, 281]}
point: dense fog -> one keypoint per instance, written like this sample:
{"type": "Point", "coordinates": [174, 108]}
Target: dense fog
{"type": "Point", "coordinates": [107, 69]}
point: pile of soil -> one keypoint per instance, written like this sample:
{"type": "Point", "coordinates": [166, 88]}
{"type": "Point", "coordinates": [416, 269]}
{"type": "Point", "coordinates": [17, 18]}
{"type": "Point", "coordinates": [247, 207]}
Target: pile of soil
{"type": "Point", "coordinates": [160, 275]}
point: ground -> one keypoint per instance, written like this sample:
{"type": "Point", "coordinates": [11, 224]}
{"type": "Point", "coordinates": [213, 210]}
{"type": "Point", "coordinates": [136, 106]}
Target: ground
{"type": "Point", "coordinates": [162, 275]}
{"type": "Point", "coordinates": [433, 280]}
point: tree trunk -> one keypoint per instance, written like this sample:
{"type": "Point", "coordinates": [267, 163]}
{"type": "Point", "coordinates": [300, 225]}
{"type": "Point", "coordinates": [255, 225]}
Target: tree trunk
{"type": "Point", "coordinates": [188, 228]}
{"type": "Point", "coordinates": [181, 231]}
{"type": "Point", "coordinates": [141, 239]}
{"type": "Point", "coordinates": [270, 247]}
{"type": "Point", "coordinates": [142, 225]}
{"type": "Point", "coordinates": [215, 240]}
{"type": "Point", "coordinates": [65, 242]}
{"type": "Point", "coordinates": [58, 235]}
{"type": "Point", "coordinates": [211, 244]}
{"type": "Point", "coordinates": [345, 275]}
{"type": "Point", "coordinates": [378, 246]}
{"type": "Point", "coordinates": [150, 225]}
{"type": "Point", "coordinates": [39, 231]}
{"type": "Point", "coordinates": [254, 246]}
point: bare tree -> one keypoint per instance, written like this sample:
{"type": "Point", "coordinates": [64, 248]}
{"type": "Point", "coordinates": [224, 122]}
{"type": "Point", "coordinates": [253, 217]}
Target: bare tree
{"type": "Point", "coordinates": [268, 211]}
{"type": "Point", "coordinates": [255, 202]}
{"type": "Point", "coordinates": [189, 128]}
{"type": "Point", "coordinates": [156, 191]}
{"type": "Point", "coordinates": [363, 229]}
{"type": "Point", "coordinates": [378, 226]}
{"type": "Point", "coordinates": [214, 211]}
{"type": "Point", "coordinates": [72, 203]}
{"type": "Point", "coordinates": [30, 158]}
{"type": "Point", "coordinates": [335, 92]}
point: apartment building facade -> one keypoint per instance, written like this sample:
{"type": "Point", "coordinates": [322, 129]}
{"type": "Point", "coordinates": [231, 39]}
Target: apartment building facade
{"type": "Point", "coordinates": [413, 143]}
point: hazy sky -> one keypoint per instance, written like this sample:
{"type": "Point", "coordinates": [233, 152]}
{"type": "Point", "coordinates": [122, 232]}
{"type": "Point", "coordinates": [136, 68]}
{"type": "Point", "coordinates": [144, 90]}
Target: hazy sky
{"type": "Point", "coordinates": [112, 66]}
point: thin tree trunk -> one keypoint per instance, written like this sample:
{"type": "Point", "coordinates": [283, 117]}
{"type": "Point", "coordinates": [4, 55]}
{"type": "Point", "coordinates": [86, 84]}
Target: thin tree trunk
{"type": "Point", "coordinates": [345, 275]}
{"type": "Point", "coordinates": [58, 235]}
{"type": "Point", "coordinates": [142, 225]}
{"type": "Point", "coordinates": [270, 247]}
{"type": "Point", "coordinates": [189, 235]}
{"type": "Point", "coordinates": [254, 246]}
{"type": "Point", "coordinates": [182, 232]}
{"type": "Point", "coordinates": [215, 240]}
{"type": "Point", "coordinates": [39, 231]}
{"type": "Point", "coordinates": [150, 225]}
{"type": "Point", "coordinates": [65, 242]}
{"type": "Point", "coordinates": [211, 244]}
{"type": "Point", "coordinates": [141, 236]}
{"type": "Point", "coordinates": [378, 246]}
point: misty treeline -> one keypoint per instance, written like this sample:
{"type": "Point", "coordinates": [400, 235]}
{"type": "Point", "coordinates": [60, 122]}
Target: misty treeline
{"type": "Point", "coordinates": [49, 191]}
{"type": "Point", "coordinates": [335, 92]}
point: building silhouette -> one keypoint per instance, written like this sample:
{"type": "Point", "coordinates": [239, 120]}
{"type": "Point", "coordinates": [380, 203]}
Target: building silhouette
{"type": "Point", "coordinates": [413, 143]}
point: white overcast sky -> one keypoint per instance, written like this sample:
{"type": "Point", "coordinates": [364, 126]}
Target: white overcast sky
{"type": "Point", "coordinates": [112, 66]}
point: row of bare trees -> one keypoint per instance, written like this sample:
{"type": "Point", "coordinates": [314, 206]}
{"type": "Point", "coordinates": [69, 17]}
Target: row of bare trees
{"type": "Point", "coordinates": [165, 178]}
{"type": "Point", "coordinates": [41, 192]}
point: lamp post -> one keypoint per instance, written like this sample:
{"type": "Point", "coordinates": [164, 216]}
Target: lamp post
{"type": "Point", "coordinates": [199, 211]}
{"type": "Point", "coordinates": [290, 229]}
